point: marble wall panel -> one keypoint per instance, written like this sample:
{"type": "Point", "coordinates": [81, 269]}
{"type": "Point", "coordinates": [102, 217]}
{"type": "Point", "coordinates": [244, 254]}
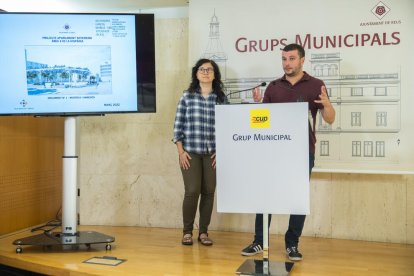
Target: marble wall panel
{"type": "Point", "coordinates": [319, 222]}
{"type": "Point", "coordinates": [109, 199]}
{"type": "Point", "coordinates": [369, 207]}
{"type": "Point", "coordinates": [130, 200]}
{"type": "Point", "coordinates": [125, 148]}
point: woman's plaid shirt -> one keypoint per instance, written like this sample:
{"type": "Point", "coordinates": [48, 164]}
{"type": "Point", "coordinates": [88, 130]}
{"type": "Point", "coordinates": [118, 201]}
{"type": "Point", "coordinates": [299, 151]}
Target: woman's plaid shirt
{"type": "Point", "coordinates": [194, 123]}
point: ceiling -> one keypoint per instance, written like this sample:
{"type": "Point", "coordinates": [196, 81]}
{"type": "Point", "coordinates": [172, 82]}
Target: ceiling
{"type": "Point", "coordinates": [87, 5]}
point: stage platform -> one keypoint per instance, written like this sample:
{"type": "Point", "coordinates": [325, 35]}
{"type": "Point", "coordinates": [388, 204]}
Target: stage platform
{"type": "Point", "coordinates": [158, 251]}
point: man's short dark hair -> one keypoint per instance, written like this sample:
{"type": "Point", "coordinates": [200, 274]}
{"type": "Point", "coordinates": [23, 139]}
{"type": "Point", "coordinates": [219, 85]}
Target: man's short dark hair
{"type": "Point", "coordinates": [294, 46]}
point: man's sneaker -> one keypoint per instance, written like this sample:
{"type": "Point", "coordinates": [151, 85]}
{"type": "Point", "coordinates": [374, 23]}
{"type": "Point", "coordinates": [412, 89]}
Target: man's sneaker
{"type": "Point", "coordinates": [252, 249]}
{"type": "Point", "coordinates": [293, 253]}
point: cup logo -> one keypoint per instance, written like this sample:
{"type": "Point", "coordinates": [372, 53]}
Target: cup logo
{"type": "Point", "coordinates": [259, 118]}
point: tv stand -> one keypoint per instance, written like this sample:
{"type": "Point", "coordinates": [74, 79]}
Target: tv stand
{"type": "Point", "coordinates": [69, 237]}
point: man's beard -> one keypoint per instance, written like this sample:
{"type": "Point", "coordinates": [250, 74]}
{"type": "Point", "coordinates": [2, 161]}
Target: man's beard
{"type": "Point", "coordinates": [293, 72]}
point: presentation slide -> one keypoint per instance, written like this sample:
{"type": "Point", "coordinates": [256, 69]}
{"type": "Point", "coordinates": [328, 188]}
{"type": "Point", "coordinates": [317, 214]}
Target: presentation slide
{"type": "Point", "coordinates": [67, 63]}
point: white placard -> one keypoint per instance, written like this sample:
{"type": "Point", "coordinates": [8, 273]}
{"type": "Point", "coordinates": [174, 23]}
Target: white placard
{"type": "Point", "coordinates": [263, 158]}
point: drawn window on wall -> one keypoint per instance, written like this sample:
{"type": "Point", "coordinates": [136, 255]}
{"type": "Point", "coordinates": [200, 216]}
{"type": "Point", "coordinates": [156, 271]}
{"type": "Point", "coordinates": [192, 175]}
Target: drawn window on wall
{"type": "Point", "coordinates": [380, 149]}
{"type": "Point", "coordinates": [356, 148]}
{"type": "Point", "coordinates": [368, 149]}
{"type": "Point", "coordinates": [324, 148]}
{"type": "Point", "coordinates": [356, 91]}
{"type": "Point", "coordinates": [380, 91]}
{"type": "Point", "coordinates": [333, 70]}
{"type": "Point", "coordinates": [355, 118]}
{"type": "Point", "coordinates": [382, 118]}
{"type": "Point", "coordinates": [325, 70]}
{"type": "Point", "coordinates": [318, 70]}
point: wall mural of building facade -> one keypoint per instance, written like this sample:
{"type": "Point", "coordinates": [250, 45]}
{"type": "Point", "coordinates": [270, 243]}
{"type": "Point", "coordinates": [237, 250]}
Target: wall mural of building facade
{"type": "Point", "coordinates": [364, 81]}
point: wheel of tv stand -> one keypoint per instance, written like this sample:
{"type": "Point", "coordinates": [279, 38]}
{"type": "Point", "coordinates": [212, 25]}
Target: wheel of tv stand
{"type": "Point", "coordinates": [108, 247]}
{"type": "Point", "coordinates": [19, 250]}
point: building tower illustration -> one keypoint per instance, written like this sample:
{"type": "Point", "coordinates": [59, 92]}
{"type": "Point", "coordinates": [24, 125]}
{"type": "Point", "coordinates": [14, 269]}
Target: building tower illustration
{"type": "Point", "coordinates": [214, 49]}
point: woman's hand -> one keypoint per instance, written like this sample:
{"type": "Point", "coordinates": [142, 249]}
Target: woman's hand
{"type": "Point", "coordinates": [184, 158]}
{"type": "Point", "coordinates": [213, 156]}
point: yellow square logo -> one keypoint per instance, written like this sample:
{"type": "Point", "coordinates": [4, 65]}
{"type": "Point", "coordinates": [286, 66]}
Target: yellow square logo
{"type": "Point", "coordinates": [259, 118]}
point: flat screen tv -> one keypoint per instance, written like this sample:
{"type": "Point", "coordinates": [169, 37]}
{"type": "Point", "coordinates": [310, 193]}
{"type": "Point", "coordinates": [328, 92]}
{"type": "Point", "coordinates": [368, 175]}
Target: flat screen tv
{"type": "Point", "coordinates": [76, 64]}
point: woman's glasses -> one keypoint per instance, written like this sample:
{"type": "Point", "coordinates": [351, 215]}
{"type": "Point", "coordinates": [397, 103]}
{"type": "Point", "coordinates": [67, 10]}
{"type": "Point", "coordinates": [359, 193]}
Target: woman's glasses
{"type": "Point", "coordinates": [205, 70]}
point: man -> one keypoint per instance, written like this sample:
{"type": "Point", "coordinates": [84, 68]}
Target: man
{"type": "Point", "coordinates": [295, 86]}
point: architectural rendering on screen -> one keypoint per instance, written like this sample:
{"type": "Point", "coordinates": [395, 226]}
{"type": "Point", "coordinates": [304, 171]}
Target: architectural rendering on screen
{"type": "Point", "coordinates": [68, 70]}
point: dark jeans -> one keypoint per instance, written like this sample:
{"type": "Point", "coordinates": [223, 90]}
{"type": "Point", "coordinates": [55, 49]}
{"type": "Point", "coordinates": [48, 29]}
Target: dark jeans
{"type": "Point", "coordinates": [199, 179]}
{"type": "Point", "coordinates": [296, 222]}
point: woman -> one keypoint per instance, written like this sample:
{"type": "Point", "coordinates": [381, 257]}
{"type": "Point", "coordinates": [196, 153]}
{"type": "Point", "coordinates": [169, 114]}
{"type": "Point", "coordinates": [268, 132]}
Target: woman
{"type": "Point", "coordinates": [194, 136]}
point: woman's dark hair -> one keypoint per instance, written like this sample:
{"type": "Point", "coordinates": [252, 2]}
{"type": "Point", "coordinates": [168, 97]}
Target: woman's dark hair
{"type": "Point", "coordinates": [218, 86]}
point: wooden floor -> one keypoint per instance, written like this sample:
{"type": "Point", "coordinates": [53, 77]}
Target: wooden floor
{"type": "Point", "coordinates": [157, 251]}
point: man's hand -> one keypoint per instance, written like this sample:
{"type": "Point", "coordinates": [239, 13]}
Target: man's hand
{"type": "Point", "coordinates": [257, 95]}
{"type": "Point", "coordinates": [328, 112]}
{"type": "Point", "coordinates": [324, 99]}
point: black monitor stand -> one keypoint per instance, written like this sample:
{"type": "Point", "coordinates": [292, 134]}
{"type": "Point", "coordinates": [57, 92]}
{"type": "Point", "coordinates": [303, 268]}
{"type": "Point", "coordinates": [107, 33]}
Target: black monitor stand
{"type": "Point", "coordinates": [69, 237]}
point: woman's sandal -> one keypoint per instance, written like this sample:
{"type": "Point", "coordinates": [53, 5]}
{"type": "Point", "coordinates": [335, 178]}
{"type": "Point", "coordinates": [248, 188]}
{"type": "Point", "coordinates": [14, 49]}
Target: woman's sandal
{"type": "Point", "coordinates": [187, 239]}
{"type": "Point", "coordinates": [204, 239]}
